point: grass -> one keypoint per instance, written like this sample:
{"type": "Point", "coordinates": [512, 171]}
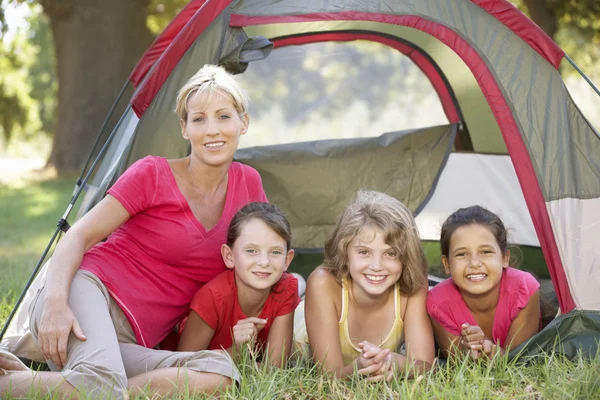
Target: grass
{"type": "Point", "coordinates": [29, 214]}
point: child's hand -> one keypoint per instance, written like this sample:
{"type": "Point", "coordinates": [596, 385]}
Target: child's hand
{"type": "Point", "coordinates": [375, 362]}
{"type": "Point", "coordinates": [484, 347]}
{"type": "Point", "coordinates": [474, 341]}
{"type": "Point", "coordinates": [246, 330]}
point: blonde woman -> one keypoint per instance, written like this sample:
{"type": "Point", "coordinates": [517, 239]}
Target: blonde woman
{"type": "Point", "coordinates": [368, 298]}
{"type": "Point", "coordinates": [106, 305]}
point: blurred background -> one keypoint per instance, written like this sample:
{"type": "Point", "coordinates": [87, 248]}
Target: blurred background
{"type": "Point", "coordinates": [63, 62]}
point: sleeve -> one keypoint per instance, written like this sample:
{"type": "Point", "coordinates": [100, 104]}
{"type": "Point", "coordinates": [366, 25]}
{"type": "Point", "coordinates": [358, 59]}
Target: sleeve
{"type": "Point", "coordinates": [440, 313]}
{"type": "Point", "coordinates": [206, 304]}
{"type": "Point", "coordinates": [136, 188]}
{"type": "Point", "coordinates": [254, 185]}
{"type": "Point", "coordinates": [527, 286]}
{"type": "Point", "coordinates": [288, 299]}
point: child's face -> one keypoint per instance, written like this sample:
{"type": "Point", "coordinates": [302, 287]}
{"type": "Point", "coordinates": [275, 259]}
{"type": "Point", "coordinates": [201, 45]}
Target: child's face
{"type": "Point", "coordinates": [373, 264]}
{"type": "Point", "coordinates": [475, 260]}
{"type": "Point", "coordinates": [259, 256]}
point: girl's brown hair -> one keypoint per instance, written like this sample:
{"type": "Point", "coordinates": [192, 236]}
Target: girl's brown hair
{"type": "Point", "coordinates": [375, 210]}
{"type": "Point", "coordinates": [268, 213]}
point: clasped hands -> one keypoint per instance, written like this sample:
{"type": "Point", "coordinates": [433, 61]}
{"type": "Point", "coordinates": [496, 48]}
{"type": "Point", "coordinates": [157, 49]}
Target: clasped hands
{"type": "Point", "coordinates": [375, 363]}
{"type": "Point", "coordinates": [474, 341]}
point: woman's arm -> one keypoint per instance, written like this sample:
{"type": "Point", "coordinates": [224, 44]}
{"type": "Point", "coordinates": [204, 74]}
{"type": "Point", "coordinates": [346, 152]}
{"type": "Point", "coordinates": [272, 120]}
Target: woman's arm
{"type": "Point", "coordinates": [322, 322]}
{"type": "Point", "coordinates": [196, 334]}
{"type": "Point", "coordinates": [418, 334]}
{"type": "Point", "coordinates": [57, 319]}
{"type": "Point", "coordinates": [279, 342]}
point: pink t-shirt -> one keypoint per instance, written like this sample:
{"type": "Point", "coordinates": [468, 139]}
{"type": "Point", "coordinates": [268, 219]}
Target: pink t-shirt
{"type": "Point", "coordinates": [446, 306]}
{"type": "Point", "coordinates": [217, 304]}
{"type": "Point", "coordinates": [154, 263]}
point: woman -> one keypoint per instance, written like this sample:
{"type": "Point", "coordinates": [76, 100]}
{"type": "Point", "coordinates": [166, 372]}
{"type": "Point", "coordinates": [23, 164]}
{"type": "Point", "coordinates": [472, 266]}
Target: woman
{"type": "Point", "coordinates": [165, 221]}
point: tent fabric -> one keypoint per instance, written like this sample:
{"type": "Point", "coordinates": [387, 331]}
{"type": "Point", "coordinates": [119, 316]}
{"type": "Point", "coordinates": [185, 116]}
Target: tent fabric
{"type": "Point", "coordinates": [503, 10]}
{"type": "Point", "coordinates": [312, 182]}
{"type": "Point", "coordinates": [575, 334]}
{"type": "Point", "coordinates": [576, 226]}
{"type": "Point", "coordinates": [489, 176]}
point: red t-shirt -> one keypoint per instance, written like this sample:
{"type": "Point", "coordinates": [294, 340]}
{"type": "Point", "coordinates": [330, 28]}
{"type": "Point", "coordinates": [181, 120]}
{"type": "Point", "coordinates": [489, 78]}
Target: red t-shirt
{"type": "Point", "coordinates": [155, 262]}
{"type": "Point", "coordinates": [446, 306]}
{"type": "Point", "coordinates": [217, 304]}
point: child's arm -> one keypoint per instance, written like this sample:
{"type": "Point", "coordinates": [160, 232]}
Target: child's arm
{"type": "Point", "coordinates": [418, 334]}
{"type": "Point", "coordinates": [322, 323]}
{"type": "Point", "coordinates": [196, 334]}
{"type": "Point", "coordinates": [526, 324]}
{"type": "Point", "coordinates": [279, 342]}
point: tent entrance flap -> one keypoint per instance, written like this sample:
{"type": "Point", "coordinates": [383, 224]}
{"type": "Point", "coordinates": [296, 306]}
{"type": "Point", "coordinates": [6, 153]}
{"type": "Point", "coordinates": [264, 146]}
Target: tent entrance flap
{"type": "Point", "coordinates": [313, 181]}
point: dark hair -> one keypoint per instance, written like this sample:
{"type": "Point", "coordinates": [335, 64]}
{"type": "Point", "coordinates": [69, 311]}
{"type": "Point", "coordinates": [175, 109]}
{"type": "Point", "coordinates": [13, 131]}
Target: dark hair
{"type": "Point", "coordinates": [270, 214]}
{"type": "Point", "coordinates": [469, 216]}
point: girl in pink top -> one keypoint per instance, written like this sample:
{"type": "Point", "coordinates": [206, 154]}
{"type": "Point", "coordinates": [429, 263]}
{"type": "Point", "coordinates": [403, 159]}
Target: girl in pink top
{"type": "Point", "coordinates": [107, 304]}
{"type": "Point", "coordinates": [485, 307]}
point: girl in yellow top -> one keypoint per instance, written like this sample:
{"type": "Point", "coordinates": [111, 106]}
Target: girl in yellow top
{"type": "Point", "coordinates": [368, 297]}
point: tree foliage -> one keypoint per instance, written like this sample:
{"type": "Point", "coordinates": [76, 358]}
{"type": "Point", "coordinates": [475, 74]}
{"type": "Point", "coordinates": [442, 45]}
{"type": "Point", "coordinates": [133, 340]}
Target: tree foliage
{"type": "Point", "coordinates": [573, 24]}
{"type": "Point", "coordinates": [18, 116]}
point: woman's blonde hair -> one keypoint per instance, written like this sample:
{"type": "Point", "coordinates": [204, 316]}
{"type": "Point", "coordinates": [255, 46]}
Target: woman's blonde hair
{"type": "Point", "coordinates": [385, 214]}
{"type": "Point", "coordinates": [209, 81]}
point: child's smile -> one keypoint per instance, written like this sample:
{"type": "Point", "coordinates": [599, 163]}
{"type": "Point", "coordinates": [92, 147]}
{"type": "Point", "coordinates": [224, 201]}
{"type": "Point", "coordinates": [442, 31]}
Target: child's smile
{"type": "Point", "coordinates": [373, 264]}
{"type": "Point", "coordinates": [475, 260]}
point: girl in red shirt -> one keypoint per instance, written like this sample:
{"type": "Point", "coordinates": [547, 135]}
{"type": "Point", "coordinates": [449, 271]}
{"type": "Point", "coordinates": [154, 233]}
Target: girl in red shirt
{"type": "Point", "coordinates": [253, 302]}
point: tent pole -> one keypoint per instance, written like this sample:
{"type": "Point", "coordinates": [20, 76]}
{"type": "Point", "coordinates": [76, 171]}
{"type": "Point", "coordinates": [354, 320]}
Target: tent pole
{"type": "Point", "coordinates": [588, 80]}
{"type": "Point", "coordinates": [60, 225]}
{"type": "Point", "coordinates": [104, 124]}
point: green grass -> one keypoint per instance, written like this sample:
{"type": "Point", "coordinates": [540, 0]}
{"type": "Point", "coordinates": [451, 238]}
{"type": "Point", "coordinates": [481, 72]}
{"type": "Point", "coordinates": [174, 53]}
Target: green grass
{"type": "Point", "coordinates": [29, 215]}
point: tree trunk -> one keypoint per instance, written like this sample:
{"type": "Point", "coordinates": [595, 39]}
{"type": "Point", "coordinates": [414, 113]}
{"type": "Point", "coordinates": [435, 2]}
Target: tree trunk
{"type": "Point", "coordinates": [97, 45]}
{"type": "Point", "coordinates": [542, 14]}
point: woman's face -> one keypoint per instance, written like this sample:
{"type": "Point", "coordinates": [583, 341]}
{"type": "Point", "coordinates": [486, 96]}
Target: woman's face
{"type": "Point", "coordinates": [213, 128]}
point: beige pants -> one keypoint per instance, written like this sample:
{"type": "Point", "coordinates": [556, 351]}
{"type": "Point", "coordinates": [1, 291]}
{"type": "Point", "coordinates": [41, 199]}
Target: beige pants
{"type": "Point", "coordinates": [100, 365]}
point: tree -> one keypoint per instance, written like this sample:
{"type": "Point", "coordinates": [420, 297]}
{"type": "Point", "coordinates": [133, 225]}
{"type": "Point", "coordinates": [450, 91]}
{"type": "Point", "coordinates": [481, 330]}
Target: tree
{"type": "Point", "coordinates": [574, 24]}
{"type": "Point", "coordinates": [97, 44]}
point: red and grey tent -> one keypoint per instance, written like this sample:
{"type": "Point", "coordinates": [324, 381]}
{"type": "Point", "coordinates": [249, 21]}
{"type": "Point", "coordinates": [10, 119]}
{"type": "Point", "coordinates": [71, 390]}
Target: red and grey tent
{"type": "Point", "coordinates": [325, 79]}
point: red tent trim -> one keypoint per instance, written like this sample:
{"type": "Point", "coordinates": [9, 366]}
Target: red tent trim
{"type": "Point", "coordinates": [502, 10]}
{"type": "Point", "coordinates": [437, 81]}
{"type": "Point", "coordinates": [163, 41]}
{"type": "Point", "coordinates": [174, 52]}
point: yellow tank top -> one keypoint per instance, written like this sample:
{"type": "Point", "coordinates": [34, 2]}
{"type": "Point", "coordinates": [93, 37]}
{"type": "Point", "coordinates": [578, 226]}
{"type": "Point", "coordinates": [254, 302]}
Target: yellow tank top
{"type": "Point", "coordinates": [394, 339]}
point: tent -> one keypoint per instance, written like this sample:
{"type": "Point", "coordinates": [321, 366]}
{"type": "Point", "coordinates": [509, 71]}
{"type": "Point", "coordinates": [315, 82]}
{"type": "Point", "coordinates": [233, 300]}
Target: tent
{"type": "Point", "coordinates": [510, 137]}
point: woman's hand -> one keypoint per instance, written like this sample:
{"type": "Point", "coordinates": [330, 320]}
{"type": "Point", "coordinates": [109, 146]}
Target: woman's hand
{"type": "Point", "coordinates": [375, 363]}
{"type": "Point", "coordinates": [246, 330]}
{"type": "Point", "coordinates": [56, 323]}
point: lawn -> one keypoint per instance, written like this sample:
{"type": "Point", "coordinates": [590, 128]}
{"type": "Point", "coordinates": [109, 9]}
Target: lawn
{"type": "Point", "coordinates": [29, 213]}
